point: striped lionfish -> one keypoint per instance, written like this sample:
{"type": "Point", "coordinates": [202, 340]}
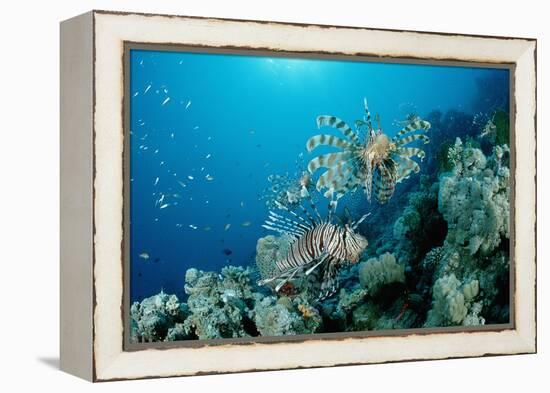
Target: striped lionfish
{"type": "Point", "coordinates": [317, 244]}
{"type": "Point", "coordinates": [376, 164]}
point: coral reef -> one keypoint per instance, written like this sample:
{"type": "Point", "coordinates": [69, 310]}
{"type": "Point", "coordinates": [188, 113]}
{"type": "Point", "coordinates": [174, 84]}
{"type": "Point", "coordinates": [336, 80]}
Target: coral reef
{"type": "Point", "coordinates": [219, 303]}
{"type": "Point", "coordinates": [158, 318]}
{"type": "Point", "coordinates": [473, 263]}
{"type": "Point", "coordinates": [441, 260]}
{"type": "Point", "coordinates": [276, 318]}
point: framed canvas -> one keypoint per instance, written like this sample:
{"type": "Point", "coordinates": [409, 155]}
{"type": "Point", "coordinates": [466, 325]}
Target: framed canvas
{"type": "Point", "coordinates": [246, 195]}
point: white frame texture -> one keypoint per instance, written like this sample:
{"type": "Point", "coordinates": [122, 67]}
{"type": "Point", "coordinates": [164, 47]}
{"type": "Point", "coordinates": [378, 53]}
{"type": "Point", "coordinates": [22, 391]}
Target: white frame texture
{"type": "Point", "coordinates": [92, 195]}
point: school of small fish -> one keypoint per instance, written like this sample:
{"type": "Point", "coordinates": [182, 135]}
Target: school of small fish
{"type": "Point", "coordinates": [164, 200]}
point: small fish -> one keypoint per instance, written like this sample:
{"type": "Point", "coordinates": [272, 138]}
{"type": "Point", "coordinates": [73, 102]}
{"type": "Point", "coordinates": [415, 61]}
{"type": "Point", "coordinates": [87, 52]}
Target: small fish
{"type": "Point", "coordinates": [147, 89]}
{"type": "Point", "coordinates": [144, 255]}
{"type": "Point", "coordinates": [164, 206]}
{"type": "Point", "coordinates": [156, 181]}
{"type": "Point", "coordinates": [227, 251]}
{"type": "Point", "coordinates": [207, 229]}
{"type": "Point", "coordinates": [136, 93]}
{"type": "Point", "coordinates": [190, 177]}
{"type": "Point", "coordinates": [209, 178]}
{"type": "Point", "coordinates": [227, 226]}
{"type": "Point", "coordinates": [192, 226]}
{"type": "Point", "coordinates": [196, 127]}
{"type": "Point", "coordinates": [242, 204]}
{"type": "Point", "coordinates": [246, 224]}
{"type": "Point", "coordinates": [165, 101]}
{"type": "Point", "coordinates": [172, 135]}
{"type": "Point", "coordinates": [182, 184]}
{"type": "Point", "coordinates": [188, 104]}
{"type": "Point", "coordinates": [208, 156]}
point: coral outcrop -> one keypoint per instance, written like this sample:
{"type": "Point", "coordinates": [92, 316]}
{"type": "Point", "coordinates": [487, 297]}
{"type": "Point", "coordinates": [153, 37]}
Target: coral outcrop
{"type": "Point", "coordinates": [471, 270]}
{"type": "Point", "coordinates": [156, 319]}
{"type": "Point", "coordinates": [219, 303]}
{"type": "Point", "coordinates": [276, 318]}
{"type": "Point", "coordinates": [375, 273]}
{"type": "Point", "coordinates": [474, 199]}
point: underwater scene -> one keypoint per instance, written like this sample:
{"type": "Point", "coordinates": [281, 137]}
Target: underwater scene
{"type": "Point", "coordinates": [274, 196]}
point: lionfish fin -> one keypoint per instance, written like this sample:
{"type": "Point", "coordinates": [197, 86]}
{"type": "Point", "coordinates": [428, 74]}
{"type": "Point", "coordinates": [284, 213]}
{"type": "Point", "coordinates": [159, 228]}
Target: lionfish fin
{"type": "Point", "coordinates": [315, 266]}
{"type": "Point", "coordinates": [313, 207]}
{"type": "Point", "coordinates": [385, 178]}
{"type": "Point", "coordinates": [328, 160]}
{"type": "Point", "coordinates": [286, 279]}
{"type": "Point", "coordinates": [330, 280]}
{"type": "Point", "coordinates": [333, 121]}
{"type": "Point", "coordinates": [405, 167]}
{"type": "Point", "coordinates": [417, 125]}
{"type": "Point", "coordinates": [304, 223]}
{"type": "Point", "coordinates": [367, 114]}
{"type": "Point", "coordinates": [282, 231]}
{"type": "Point", "coordinates": [354, 225]}
{"type": "Point", "coordinates": [293, 227]}
{"type": "Point", "coordinates": [335, 176]}
{"type": "Point", "coordinates": [327, 140]}
{"type": "Point", "coordinates": [411, 152]}
{"type": "Point", "coordinates": [411, 138]}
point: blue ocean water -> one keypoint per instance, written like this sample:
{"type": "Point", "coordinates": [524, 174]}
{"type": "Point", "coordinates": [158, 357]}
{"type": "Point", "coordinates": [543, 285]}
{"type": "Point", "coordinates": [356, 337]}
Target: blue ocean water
{"type": "Point", "coordinates": [208, 130]}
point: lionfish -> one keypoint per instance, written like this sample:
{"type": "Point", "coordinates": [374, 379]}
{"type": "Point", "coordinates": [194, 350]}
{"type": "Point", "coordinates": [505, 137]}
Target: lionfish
{"type": "Point", "coordinates": [317, 244]}
{"type": "Point", "coordinates": [377, 164]}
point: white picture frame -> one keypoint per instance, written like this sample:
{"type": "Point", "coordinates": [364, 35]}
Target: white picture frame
{"type": "Point", "coordinates": [92, 195]}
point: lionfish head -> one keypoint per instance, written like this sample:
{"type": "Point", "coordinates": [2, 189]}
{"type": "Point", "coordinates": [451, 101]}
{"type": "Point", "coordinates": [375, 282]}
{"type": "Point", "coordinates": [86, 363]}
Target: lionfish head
{"type": "Point", "coordinates": [355, 244]}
